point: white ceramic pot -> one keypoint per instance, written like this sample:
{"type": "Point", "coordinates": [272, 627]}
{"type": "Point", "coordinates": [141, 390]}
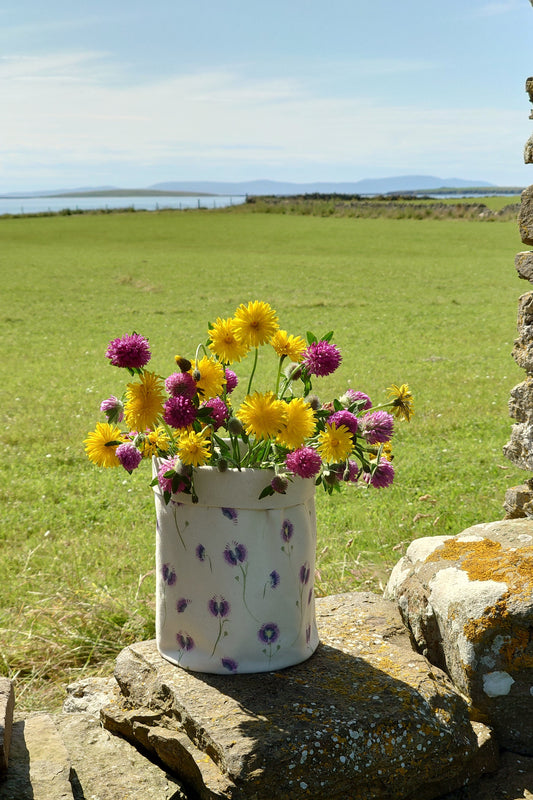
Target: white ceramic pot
{"type": "Point", "coordinates": [235, 574]}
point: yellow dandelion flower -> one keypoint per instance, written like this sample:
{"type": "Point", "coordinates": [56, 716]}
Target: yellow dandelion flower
{"type": "Point", "coordinates": [300, 424]}
{"type": "Point", "coordinates": [194, 448]}
{"type": "Point", "coordinates": [262, 415]}
{"type": "Point", "coordinates": [335, 444]}
{"type": "Point", "coordinates": [99, 447]}
{"type": "Point", "coordinates": [144, 402]}
{"type": "Point", "coordinates": [386, 451]}
{"type": "Point", "coordinates": [155, 442]}
{"type": "Point", "coordinates": [212, 377]}
{"type": "Point", "coordinates": [402, 404]}
{"type": "Point", "coordinates": [255, 323]}
{"type": "Point", "coordinates": [225, 343]}
{"type": "Point", "coordinates": [287, 345]}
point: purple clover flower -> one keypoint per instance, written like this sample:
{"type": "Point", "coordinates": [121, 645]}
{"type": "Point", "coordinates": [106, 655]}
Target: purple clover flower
{"type": "Point", "coordinates": [287, 530]}
{"type": "Point", "coordinates": [231, 380]}
{"type": "Point", "coordinates": [181, 383]}
{"type": "Point", "coordinates": [113, 408]}
{"type": "Point", "coordinates": [383, 476]}
{"type": "Point", "coordinates": [219, 607]}
{"type": "Point", "coordinates": [352, 396]}
{"type": "Point", "coordinates": [219, 411]}
{"type": "Point", "coordinates": [304, 462]}
{"type": "Point", "coordinates": [229, 664]}
{"type": "Point", "coordinates": [377, 427]}
{"type": "Point", "coordinates": [179, 411]}
{"type": "Point", "coordinates": [235, 555]}
{"type": "Point", "coordinates": [165, 484]}
{"type": "Point", "coordinates": [268, 633]}
{"type": "Point", "coordinates": [321, 358]}
{"type": "Point", "coordinates": [345, 418]}
{"type": "Point", "coordinates": [169, 574]}
{"type": "Point", "coordinates": [185, 642]}
{"type": "Point", "coordinates": [129, 456]}
{"type": "Point", "coordinates": [349, 472]}
{"type": "Point", "coordinates": [130, 351]}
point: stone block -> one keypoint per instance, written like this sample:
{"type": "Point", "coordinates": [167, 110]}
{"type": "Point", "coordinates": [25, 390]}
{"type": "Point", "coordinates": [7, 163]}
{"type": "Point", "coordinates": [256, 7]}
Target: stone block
{"type": "Point", "coordinates": [521, 401]}
{"type": "Point", "coordinates": [365, 712]}
{"type": "Point", "coordinates": [524, 264]}
{"type": "Point", "coordinates": [518, 501]}
{"type": "Point", "coordinates": [519, 448]}
{"type": "Point", "coordinates": [7, 704]}
{"type": "Point", "coordinates": [468, 600]}
{"type": "Point", "coordinates": [528, 151]}
{"type": "Point", "coordinates": [525, 216]}
{"type": "Point", "coordinates": [523, 345]}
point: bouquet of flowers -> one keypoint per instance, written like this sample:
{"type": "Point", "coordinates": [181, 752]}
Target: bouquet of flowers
{"type": "Point", "coordinates": [188, 419]}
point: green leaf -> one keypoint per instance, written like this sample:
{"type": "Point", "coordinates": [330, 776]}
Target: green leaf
{"type": "Point", "coordinates": [268, 491]}
{"type": "Point", "coordinates": [311, 338]}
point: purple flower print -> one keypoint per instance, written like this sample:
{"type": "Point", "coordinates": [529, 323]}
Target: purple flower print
{"type": "Point", "coordinates": [305, 572]}
{"type": "Point", "coordinates": [229, 664]}
{"type": "Point", "coordinates": [274, 579]}
{"type": "Point", "coordinates": [287, 530]}
{"type": "Point", "coordinates": [202, 555]}
{"type": "Point", "coordinates": [169, 574]}
{"type": "Point", "coordinates": [235, 553]}
{"type": "Point", "coordinates": [268, 633]}
{"type": "Point", "coordinates": [230, 513]}
{"type": "Point", "coordinates": [200, 552]}
{"type": "Point", "coordinates": [308, 634]}
{"type": "Point", "coordinates": [219, 607]}
{"type": "Point", "coordinates": [182, 604]}
{"type": "Point", "coordinates": [310, 596]}
{"type": "Point", "coordinates": [185, 642]}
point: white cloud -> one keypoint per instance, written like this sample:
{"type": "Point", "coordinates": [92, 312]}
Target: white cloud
{"type": "Point", "coordinates": [61, 112]}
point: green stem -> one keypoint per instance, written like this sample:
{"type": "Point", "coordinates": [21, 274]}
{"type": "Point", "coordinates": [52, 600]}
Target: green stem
{"type": "Point", "coordinates": [253, 370]}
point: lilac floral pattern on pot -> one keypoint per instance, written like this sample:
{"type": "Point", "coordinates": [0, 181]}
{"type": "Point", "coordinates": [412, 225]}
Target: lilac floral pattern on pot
{"type": "Point", "coordinates": [219, 608]}
{"type": "Point", "coordinates": [268, 634]}
{"type": "Point", "coordinates": [231, 514]}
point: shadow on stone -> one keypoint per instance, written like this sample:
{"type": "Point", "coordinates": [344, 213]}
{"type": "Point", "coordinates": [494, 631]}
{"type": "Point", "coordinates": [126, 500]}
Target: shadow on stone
{"type": "Point", "coordinates": [364, 711]}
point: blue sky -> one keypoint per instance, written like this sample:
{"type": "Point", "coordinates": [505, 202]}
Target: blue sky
{"type": "Point", "coordinates": [134, 93]}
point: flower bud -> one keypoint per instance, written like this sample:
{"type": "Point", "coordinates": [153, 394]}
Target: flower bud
{"type": "Point", "coordinates": [234, 426]}
{"type": "Point", "coordinates": [279, 483]}
{"type": "Point", "coordinates": [293, 371]}
{"type": "Point", "coordinates": [222, 465]}
{"type": "Point", "coordinates": [197, 375]}
{"type": "Point", "coordinates": [183, 363]}
{"type": "Point", "coordinates": [313, 401]}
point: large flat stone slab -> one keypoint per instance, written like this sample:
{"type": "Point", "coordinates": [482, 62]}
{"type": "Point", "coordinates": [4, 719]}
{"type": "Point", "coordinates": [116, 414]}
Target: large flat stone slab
{"type": "Point", "coordinates": [364, 713]}
{"type": "Point", "coordinates": [39, 767]}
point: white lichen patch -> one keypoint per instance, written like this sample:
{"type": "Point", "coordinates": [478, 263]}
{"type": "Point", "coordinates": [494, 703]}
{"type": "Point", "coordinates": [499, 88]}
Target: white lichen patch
{"type": "Point", "coordinates": [497, 684]}
{"type": "Point", "coordinates": [420, 549]}
{"type": "Point", "coordinates": [399, 573]}
{"type": "Point", "coordinates": [452, 587]}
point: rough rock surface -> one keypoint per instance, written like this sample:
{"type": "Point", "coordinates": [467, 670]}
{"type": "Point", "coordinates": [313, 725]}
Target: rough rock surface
{"type": "Point", "coordinates": [525, 216]}
{"type": "Point", "coordinates": [7, 704]}
{"type": "Point", "coordinates": [524, 263]}
{"type": "Point", "coordinates": [468, 600]}
{"type": "Point", "coordinates": [523, 344]}
{"type": "Point", "coordinates": [518, 501]}
{"type": "Point", "coordinates": [364, 712]}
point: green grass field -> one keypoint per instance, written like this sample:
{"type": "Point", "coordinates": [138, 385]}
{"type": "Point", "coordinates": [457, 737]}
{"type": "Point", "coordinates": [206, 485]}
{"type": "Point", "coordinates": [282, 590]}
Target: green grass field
{"type": "Point", "coordinates": [432, 303]}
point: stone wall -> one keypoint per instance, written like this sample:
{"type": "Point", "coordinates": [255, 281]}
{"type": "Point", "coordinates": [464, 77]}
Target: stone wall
{"type": "Point", "coordinates": [519, 449]}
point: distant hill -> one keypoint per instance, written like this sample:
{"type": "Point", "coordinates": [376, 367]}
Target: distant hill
{"type": "Point", "coordinates": [403, 183]}
{"type": "Point", "coordinates": [368, 186]}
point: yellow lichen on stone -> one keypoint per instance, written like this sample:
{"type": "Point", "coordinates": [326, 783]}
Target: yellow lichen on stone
{"type": "Point", "coordinates": [487, 560]}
